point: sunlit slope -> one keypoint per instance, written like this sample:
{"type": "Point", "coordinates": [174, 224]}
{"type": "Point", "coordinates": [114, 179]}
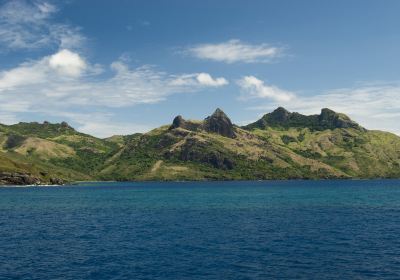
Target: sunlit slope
{"type": "Point", "coordinates": [327, 146]}
{"type": "Point", "coordinates": [57, 148]}
{"type": "Point", "coordinates": [281, 145]}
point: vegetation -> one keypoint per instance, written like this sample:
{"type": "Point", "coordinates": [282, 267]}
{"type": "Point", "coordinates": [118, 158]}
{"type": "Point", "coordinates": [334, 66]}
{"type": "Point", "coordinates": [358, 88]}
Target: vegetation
{"type": "Point", "coordinates": [282, 145]}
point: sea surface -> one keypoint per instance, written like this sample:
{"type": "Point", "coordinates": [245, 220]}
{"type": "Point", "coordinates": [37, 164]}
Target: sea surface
{"type": "Point", "coordinates": [209, 230]}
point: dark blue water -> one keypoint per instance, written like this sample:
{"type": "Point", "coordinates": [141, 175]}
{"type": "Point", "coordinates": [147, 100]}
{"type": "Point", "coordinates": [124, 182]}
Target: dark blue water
{"type": "Point", "coordinates": [229, 230]}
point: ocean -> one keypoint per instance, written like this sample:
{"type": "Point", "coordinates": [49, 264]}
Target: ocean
{"type": "Point", "coordinates": [332, 229]}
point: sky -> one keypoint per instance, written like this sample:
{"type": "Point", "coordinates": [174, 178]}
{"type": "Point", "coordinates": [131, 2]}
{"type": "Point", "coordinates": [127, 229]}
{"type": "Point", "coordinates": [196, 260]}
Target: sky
{"type": "Point", "coordinates": [126, 66]}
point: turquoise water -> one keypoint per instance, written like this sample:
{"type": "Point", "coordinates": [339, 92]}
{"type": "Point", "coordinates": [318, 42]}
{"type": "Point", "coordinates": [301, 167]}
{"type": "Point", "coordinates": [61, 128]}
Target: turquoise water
{"type": "Point", "coordinates": [213, 230]}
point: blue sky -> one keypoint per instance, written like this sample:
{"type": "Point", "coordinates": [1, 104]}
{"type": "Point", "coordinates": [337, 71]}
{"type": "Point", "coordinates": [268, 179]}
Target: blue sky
{"type": "Point", "coordinates": [119, 67]}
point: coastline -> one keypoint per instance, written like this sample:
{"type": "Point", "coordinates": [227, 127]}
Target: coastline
{"type": "Point", "coordinates": [80, 183]}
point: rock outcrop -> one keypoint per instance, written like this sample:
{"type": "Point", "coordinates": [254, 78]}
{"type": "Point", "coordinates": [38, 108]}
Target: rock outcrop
{"type": "Point", "coordinates": [329, 118]}
{"type": "Point", "coordinates": [16, 178]}
{"type": "Point", "coordinates": [219, 123]}
{"type": "Point", "coordinates": [180, 122]}
{"type": "Point", "coordinates": [7, 178]}
{"type": "Point", "coordinates": [56, 181]}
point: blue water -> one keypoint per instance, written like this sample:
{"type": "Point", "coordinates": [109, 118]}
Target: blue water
{"type": "Point", "coordinates": [213, 230]}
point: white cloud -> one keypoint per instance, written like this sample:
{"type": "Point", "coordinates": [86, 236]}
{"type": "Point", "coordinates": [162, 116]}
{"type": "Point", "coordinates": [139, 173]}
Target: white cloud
{"type": "Point", "coordinates": [65, 81]}
{"type": "Point", "coordinates": [29, 25]}
{"type": "Point", "coordinates": [235, 51]}
{"type": "Point", "coordinates": [373, 106]}
{"type": "Point", "coordinates": [44, 74]}
{"type": "Point", "coordinates": [207, 80]}
{"type": "Point", "coordinates": [67, 63]}
{"type": "Point", "coordinates": [252, 87]}
{"type": "Point", "coordinates": [198, 79]}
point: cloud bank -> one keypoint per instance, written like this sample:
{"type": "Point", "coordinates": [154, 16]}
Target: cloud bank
{"type": "Point", "coordinates": [66, 81]}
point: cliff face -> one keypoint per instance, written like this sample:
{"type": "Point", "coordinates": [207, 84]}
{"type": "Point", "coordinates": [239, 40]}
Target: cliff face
{"type": "Point", "coordinates": [281, 145]}
{"type": "Point", "coordinates": [7, 178]}
{"type": "Point", "coordinates": [219, 123]}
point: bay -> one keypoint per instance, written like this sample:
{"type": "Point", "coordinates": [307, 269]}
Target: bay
{"type": "Point", "coordinates": [331, 229]}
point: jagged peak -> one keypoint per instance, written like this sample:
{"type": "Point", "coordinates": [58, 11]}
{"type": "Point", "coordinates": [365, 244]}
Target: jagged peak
{"type": "Point", "coordinates": [219, 113]}
{"type": "Point", "coordinates": [219, 123]}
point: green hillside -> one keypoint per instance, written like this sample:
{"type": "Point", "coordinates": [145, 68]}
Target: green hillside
{"type": "Point", "coordinates": [281, 145]}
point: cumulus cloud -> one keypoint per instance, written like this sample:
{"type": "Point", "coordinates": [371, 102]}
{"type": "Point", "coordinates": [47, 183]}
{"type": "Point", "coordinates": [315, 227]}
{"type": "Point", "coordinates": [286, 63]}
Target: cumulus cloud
{"type": "Point", "coordinates": [235, 51]}
{"type": "Point", "coordinates": [28, 24]}
{"type": "Point", "coordinates": [252, 87]}
{"type": "Point", "coordinates": [65, 81]}
{"type": "Point", "coordinates": [45, 73]}
{"type": "Point", "coordinates": [67, 63]}
{"type": "Point", "coordinates": [207, 80]}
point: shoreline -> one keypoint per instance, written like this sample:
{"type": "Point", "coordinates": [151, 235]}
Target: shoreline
{"type": "Point", "coordinates": [80, 183]}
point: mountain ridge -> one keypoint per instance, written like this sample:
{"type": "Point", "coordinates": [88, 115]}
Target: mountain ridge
{"type": "Point", "coordinates": [280, 145]}
{"type": "Point", "coordinates": [327, 119]}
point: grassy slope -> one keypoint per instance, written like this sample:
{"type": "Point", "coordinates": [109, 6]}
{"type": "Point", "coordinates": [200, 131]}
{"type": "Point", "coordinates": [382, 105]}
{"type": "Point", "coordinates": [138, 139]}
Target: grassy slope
{"type": "Point", "coordinates": [179, 154]}
{"type": "Point", "coordinates": [58, 149]}
{"type": "Point", "coordinates": [357, 153]}
{"type": "Point", "coordinates": [259, 154]}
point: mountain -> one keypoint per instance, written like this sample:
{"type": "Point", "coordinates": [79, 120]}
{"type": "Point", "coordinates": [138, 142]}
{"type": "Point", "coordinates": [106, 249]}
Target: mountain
{"type": "Point", "coordinates": [281, 145]}
{"type": "Point", "coordinates": [281, 118]}
{"type": "Point", "coordinates": [50, 153]}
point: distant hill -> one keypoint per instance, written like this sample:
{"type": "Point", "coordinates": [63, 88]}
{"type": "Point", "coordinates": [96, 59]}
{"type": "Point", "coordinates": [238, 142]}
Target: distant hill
{"type": "Point", "coordinates": [281, 145]}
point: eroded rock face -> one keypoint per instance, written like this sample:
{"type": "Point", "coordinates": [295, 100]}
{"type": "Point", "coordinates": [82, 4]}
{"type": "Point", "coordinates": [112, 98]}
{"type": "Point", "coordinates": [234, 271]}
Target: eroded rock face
{"type": "Point", "coordinates": [177, 122]}
{"type": "Point", "coordinates": [7, 178]}
{"type": "Point", "coordinates": [180, 122]}
{"type": "Point", "coordinates": [280, 115]}
{"type": "Point", "coordinates": [329, 118]}
{"type": "Point", "coordinates": [14, 178]}
{"type": "Point", "coordinates": [219, 123]}
{"type": "Point", "coordinates": [56, 181]}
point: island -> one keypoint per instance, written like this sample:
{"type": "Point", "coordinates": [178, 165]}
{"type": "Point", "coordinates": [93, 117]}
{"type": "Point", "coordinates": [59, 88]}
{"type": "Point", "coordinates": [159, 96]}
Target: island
{"type": "Point", "coordinates": [280, 145]}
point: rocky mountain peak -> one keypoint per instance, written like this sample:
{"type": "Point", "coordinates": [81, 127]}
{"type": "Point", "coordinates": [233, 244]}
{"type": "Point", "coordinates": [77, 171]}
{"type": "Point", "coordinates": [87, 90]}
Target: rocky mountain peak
{"type": "Point", "coordinates": [280, 114]}
{"type": "Point", "coordinates": [329, 118]}
{"type": "Point", "coordinates": [177, 122]}
{"type": "Point", "coordinates": [219, 123]}
{"type": "Point", "coordinates": [218, 112]}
